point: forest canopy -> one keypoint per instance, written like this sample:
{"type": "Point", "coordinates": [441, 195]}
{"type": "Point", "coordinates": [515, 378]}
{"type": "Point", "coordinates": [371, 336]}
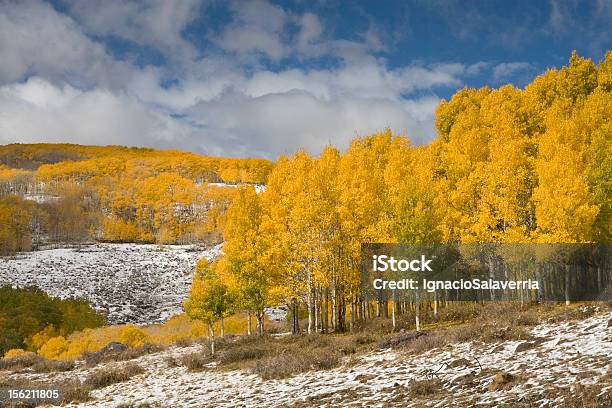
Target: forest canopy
{"type": "Point", "coordinates": [507, 165]}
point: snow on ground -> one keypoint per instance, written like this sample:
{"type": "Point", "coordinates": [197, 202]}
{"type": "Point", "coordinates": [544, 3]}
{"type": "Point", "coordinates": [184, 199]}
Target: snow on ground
{"type": "Point", "coordinates": [128, 282]}
{"type": "Point", "coordinates": [564, 356]}
{"type": "Point", "coordinates": [259, 188]}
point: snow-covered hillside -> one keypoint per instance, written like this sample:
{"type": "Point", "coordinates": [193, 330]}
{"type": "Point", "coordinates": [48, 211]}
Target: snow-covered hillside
{"type": "Point", "coordinates": [129, 282]}
{"type": "Point", "coordinates": [561, 359]}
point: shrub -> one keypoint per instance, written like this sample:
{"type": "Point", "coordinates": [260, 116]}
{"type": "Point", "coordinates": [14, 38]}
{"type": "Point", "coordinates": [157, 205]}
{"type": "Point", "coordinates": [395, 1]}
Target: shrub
{"type": "Point", "coordinates": [54, 348]}
{"type": "Point", "coordinates": [47, 366]}
{"type": "Point", "coordinates": [111, 375]}
{"type": "Point", "coordinates": [120, 354]}
{"type": "Point", "coordinates": [24, 313]}
{"type": "Point", "coordinates": [39, 339]}
{"type": "Point", "coordinates": [244, 352]}
{"type": "Point", "coordinates": [195, 361]}
{"type": "Point", "coordinates": [14, 353]}
{"type": "Point", "coordinates": [425, 388]}
{"type": "Point", "coordinates": [20, 361]}
{"type": "Point", "coordinates": [133, 336]}
{"type": "Point", "coordinates": [75, 391]}
{"type": "Point", "coordinates": [288, 364]}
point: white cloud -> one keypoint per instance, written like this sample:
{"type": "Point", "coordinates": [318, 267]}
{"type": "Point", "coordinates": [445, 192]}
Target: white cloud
{"type": "Point", "coordinates": [36, 40]}
{"type": "Point", "coordinates": [155, 23]}
{"type": "Point", "coordinates": [38, 111]}
{"type": "Point", "coordinates": [505, 71]}
{"type": "Point", "coordinates": [282, 123]}
{"type": "Point", "coordinates": [258, 27]}
{"type": "Point", "coordinates": [310, 33]}
{"type": "Point", "coordinates": [59, 84]}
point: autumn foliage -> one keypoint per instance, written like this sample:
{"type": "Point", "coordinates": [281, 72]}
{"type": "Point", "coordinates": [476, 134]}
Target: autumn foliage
{"type": "Point", "coordinates": [509, 165]}
{"type": "Point", "coordinates": [116, 194]}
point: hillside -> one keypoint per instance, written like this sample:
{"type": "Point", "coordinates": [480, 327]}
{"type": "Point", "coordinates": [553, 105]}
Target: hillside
{"type": "Point", "coordinates": [557, 363]}
{"type": "Point", "coordinates": [59, 193]}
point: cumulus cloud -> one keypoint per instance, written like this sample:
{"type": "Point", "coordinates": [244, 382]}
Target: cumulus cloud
{"type": "Point", "coordinates": [36, 40]}
{"type": "Point", "coordinates": [38, 111]}
{"type": "Point", "coordinates": [258, 27]}
{"type": "Point", "coordinates": [505, 71]}
{"type": "Point", "coordinates": [282, 123]}
{"type": "Point", "coordinates": [60, 82]}
{"type": "Point", "coordinates": [155, 23]}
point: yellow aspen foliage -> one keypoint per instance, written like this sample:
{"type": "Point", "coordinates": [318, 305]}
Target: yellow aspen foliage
{"type": "Point", "coordinates": [42, 337]}
{"type": "Point", "coordinates": [54, 348]}
{"type": "Point", "coordinates": [211, 298]}
{"type": "Point", "coordinates": [133, 336]}
{"type": "Point", "coordinates": [16, 352]}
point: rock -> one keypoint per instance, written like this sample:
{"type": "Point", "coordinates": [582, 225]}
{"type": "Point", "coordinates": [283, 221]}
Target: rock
{"type": "Point", "coordinates": [401, 339]}
{"type": "Point", "coordinates": [460, 362]}
{"type": "Point", "coordinates": [528, 345]}
{"type": "Point", "coordinates": [500, 380]}
{"type": "Point", "coordinates": [609, 323]}
{"type": "Point", "coordinates": [113, 346]}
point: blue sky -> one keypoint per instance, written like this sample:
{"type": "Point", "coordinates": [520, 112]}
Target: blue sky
{"type": "Point", "coordinates": [263, 78]}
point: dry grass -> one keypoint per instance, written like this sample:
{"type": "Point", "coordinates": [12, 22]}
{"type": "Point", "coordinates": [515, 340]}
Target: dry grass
{"type": "Point", "coordinates": [93, 359]}
{"type": "Point", "coordinates": [75, 391]}
{"type": "Point", "coordinates": [71, 391]}
{"type": "Point", "coordinates": [19, 362]}
{"type": "Point", "coordinates": [278, 357]}
{"type": "Point", "coordinates": [425, 388]}
{"type": "Point", "coordinates": [49, 366]}
{"type": "Point", "coordinates": [289, 364]}
{"type": "Point", "coordinates": [195, 361]}
{"type": "Point", "coordinates": [37, 363]}
{"type": "Point", "coordinates": [488, 323]}
{"type": "Point", "coordinates": [110, 375]}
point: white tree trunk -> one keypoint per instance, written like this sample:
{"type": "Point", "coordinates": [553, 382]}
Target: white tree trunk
{"type": "Point", "coordinates": [417, 311]}
{"type": "Point", "coordinates": [393, 312]}
{"type": "Point", "coordinates": [211, 332]}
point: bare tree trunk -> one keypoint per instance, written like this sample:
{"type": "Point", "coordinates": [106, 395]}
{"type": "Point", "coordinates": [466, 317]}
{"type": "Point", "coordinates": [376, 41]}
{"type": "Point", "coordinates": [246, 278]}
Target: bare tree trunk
{"type": "Point", "coordinates": [340, 326]}
{"type": "Point", "coordinates": [249, 328]}
{"type": "Point", "coordinates": [393, 312]}
{"type": "Point", "coordinates": [567, 284]}
{"type": "Point", "coordinates": [222, 324]}
{"type": "Point", "coordinates": [352, 313]}
{"type": "Point", "coordinates": [334, 305]}
{"type": "Point", "coordinates": [211, 334]}
{"type": "Point", "coordinates": [417, 311]}
{"type": "Point", "coordinates": [259, 315]}
{"type": "Point", "coordinates": [310, 303]}
{"type": "Point", "coordinates": [435, 303]}
{"type": "Point", "coordinates": [599, 279]}
{"type": "Point", "coordinates": [325, 312]}
{"type": "Point", "coordinates": [296, 318]}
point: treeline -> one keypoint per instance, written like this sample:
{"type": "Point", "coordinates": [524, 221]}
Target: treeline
{"type": "Point", "coordinates": [508, 166]}
{"type": "Point", "coordinates": [29, 318]}
{"type": "Point", "coordinates": [70, 160]}
{"type": "Point", "coordinates": [115, 194]}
